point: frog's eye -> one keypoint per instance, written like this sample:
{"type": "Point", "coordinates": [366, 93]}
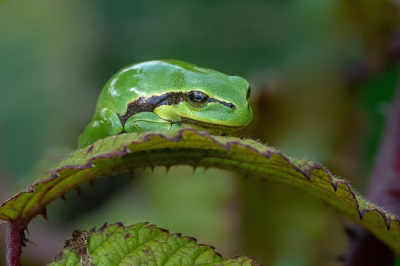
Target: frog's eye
{"type": "Point", "coordinates": [197, 99]}
{"type": "Point", "coordinates": [248, 94]}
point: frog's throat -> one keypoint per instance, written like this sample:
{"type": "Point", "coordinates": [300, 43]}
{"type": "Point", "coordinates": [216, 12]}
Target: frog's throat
{"type": "Point", "coordinates": [148, 104]}
{"type": "Point", "coordinates": [209, 126]}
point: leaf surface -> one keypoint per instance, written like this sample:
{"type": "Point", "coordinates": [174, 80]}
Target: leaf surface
{"type": "Point", "coordinates": [127, 152]}
{"type": "Point", "coordinates": [144, 244]}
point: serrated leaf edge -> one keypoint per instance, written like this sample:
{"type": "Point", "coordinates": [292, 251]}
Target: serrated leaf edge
{"type": "Point", "coordinates": [148, 225]}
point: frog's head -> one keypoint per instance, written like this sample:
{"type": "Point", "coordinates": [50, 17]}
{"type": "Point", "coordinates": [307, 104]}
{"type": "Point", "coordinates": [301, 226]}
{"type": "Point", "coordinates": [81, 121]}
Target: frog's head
{"type": "Point", "coordinates": [207, 99]}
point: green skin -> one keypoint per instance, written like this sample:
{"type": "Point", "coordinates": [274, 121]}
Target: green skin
{"type": "Point", "coordinates": [169, 95]}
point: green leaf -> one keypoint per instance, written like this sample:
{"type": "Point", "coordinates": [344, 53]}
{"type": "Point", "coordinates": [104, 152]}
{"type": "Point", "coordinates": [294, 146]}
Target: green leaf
{"type": "Point", "coordinates": [144, 244]}
{"type": "Point", "coordinates": [188, 147]}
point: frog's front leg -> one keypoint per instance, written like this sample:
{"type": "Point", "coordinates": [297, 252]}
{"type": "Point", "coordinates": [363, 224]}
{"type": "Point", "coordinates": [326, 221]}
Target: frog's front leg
{"type": "Point", "coordinates": [104, 123]}
{"type": "Point", "coordinates": [148, 121]}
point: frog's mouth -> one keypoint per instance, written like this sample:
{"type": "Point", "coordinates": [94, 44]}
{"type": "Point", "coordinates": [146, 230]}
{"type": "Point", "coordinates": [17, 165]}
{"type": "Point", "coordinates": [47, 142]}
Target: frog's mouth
{"type": "Point", "coordinates": [209, 126]}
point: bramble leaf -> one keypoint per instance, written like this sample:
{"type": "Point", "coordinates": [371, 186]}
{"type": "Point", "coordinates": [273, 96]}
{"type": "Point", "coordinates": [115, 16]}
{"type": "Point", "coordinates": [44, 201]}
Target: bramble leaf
{"type": "Point", "coordinates": [126, 152]}
{"type": "Point", "coordinates": [144, 244]}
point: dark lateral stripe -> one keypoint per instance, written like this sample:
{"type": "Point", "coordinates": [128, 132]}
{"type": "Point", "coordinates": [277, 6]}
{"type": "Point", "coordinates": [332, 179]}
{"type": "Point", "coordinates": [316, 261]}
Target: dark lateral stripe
{"type": "Point", "coordinates": [143, 104]}
{"type": "Point", "coordinates": [229, 105]}
{"type": "Point", "coordinates": [148, 104]}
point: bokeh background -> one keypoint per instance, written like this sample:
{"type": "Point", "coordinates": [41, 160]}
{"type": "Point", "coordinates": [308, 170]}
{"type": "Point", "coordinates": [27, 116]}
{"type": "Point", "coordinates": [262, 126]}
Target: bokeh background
{"type": "Point", "coordinates": [322, 75]}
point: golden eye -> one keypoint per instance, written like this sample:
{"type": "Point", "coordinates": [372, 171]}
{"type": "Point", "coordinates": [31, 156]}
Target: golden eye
{"type": "Point", "coordinates": [197, 99]}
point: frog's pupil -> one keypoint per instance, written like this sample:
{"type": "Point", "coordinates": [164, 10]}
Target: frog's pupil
{"type": "Point", "coordinates": [198, 97]}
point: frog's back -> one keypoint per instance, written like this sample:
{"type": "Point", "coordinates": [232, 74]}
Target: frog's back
{"type": "Point", "coordinates": [152, 78]}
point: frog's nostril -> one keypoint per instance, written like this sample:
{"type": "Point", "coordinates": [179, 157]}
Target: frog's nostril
{"type": "Point", "coordinates": [248, 94]}
{"type": "Point", "coordinates": [232, 106]}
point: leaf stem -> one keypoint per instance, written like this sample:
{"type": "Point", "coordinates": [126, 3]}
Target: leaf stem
{"type": "Point", "coordinates": [384, 190]}
{"type": "Point", "coordinates": [14, 242]}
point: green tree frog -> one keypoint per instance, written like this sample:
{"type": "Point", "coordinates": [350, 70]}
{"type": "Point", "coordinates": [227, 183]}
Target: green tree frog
{"type": "Point", "coordinates": [168, 95]}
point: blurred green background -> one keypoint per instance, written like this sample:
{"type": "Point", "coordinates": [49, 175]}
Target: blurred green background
{"type": "Point", "coordinates": [322, 77]}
